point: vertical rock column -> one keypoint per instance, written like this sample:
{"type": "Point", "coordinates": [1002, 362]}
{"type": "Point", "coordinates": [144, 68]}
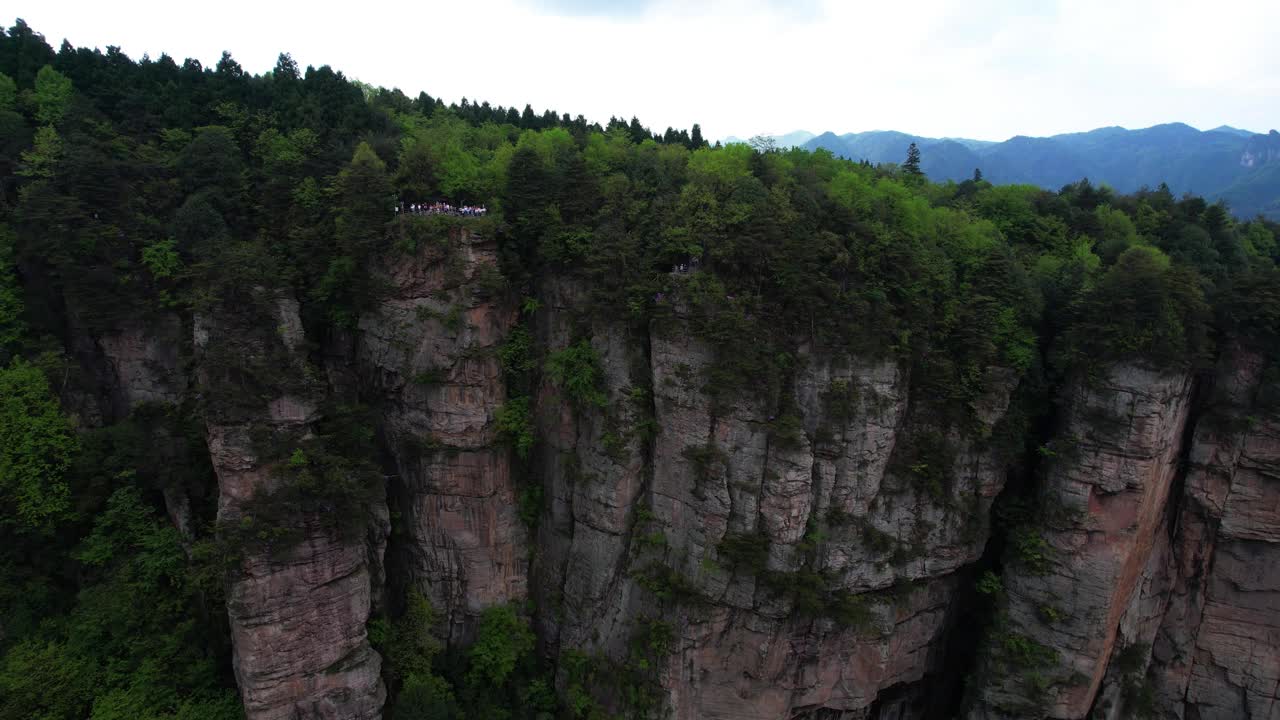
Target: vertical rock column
{"type": "Point", "coordinates": [592, 464]}
{"type": "Point", "coordinates": [297, 605]}
{"type": "Point", "coordinates": [731, 471]}
{"type": "Point", "coordinates": [1217, 653]}
{"type": "Point", "coordinates": [1077, 569]}
{"type": "Point", "coordinates": [428, 356]}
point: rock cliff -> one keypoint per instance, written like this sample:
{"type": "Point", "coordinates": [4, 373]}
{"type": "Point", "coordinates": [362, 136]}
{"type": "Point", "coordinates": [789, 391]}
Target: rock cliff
{"type": "Point", "coordinates": [299, 591]}
{"type": "Point", "coordinates": [800, 563]}
{"type": "Point", "coordinates": [723, 555]}
{"type": "Point", "coordinates": [1149, 590]}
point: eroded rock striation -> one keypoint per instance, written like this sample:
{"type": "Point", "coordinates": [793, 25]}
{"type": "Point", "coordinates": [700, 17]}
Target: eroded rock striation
{"type": "Point", "coordinates": [299, 593]}
{"type": "Point", "coordinates": [800, 563]}
{"type": "Point", "coordinates": [813, 556]}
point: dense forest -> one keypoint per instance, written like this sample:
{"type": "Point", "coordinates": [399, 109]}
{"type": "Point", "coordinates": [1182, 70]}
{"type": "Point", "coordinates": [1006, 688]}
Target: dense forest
{"type": "Point", "coordinates": [140, 188]}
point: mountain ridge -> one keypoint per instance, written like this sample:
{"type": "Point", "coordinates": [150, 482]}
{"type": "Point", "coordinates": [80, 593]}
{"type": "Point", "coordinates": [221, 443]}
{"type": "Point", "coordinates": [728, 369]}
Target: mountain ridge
{"type": "Point", "coordinates": [1224, 163]}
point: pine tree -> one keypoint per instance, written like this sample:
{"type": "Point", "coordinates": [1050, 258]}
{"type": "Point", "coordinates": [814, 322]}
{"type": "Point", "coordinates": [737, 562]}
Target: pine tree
{"type": "Point", "coordinates": [638, 133]}
{"type": "Point", "coordinates": [695, 137]}
{"type": "Point", "coordinates": [912, 165]}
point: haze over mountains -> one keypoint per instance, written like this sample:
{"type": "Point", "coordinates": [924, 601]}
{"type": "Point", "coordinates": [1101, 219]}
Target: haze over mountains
{"type": "Point", "coordinates": [1225, 163]}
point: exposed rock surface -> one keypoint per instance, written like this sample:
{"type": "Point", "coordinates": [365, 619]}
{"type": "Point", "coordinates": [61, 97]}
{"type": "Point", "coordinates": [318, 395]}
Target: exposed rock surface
{"type": "Point", "coordinates": [818, 494]}
{"type": "Point", "coordinates": [1217, 652]}
{"type": "Point", "coordinates": [809, 559]}
{"type": "Point", "coordinates": [1106, 497]}
{"type": "Point", "coordinates": [297, 612]}
{"type": "Point", "coordinates": [428, 356]}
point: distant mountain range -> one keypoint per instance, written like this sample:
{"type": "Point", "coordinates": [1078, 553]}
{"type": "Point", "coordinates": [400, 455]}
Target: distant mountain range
{"type": "Point", "coordinates": [1238, 166]}
{"type": "Point", "coordinates": [790, 140]}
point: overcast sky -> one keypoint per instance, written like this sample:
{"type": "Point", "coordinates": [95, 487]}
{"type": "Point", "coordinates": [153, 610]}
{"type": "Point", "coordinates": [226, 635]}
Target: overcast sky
{"type": "Point", "coordinates": [985, 69]}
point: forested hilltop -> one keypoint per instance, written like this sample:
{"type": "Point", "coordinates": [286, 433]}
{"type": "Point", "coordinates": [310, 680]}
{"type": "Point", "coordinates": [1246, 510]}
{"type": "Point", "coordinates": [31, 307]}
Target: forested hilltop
{"type": "Point", "coordinates": [272, 446]}
{"type": "Point", "coordinates": [1238, 167]}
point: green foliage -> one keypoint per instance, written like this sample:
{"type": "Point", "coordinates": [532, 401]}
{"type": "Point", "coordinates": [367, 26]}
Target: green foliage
{"type": "Point", "coordinates": [52, 96]}
{"type": "Point", "coordinates": [129, 647]}
{"type": "Point", "coordinates": [12, 325]}
{"type": "Point", "coordinates": [990, 584]}
{"type": "Point", "coordinates": [504, 640]}
{"type": "Point", "coordinates": [515, 425]}
{"type": "Point", "coordinates": [576, 370]}
{"type": "Point", "coordinates": [927, 459]}
{"type": "Point", "coordinates": [1030, 549]}
{"type": "Point", "coordinates": [410, 647]}
{"type": "Point", "coordinates": [161, 258]}
{"type": "Point", "coordinates": [668, 584]}
{"type": "Point", "coordinates": [531, 504]}
{"type": "Point", "coordinates": [1024, 652]}
{"type": "Point", "coordinates": [8, 92]}
{"type": "Point", "coordinates": [516, 353]}
{"type": "Point", "coordinates": [1145, 308]}
{"type": "Point", "coordinates": [38, 163]}
{"type": "Point", "coordinates": [426, 697]}
{"type": "Point", "coordinates": [44, 680]}
{"type": "Point", "coordinates": [364, 202]}
{"type": "Point", "coordinates": [36, 448]}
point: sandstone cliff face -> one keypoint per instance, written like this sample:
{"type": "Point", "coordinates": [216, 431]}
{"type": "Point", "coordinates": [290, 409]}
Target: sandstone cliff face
{"type": "Point", "coordinates": [822, 502]}
{"type": "Point", "coordinates": [1215, 654]}
{"type": "Point", "coordinates": [1159, 597]}
{"type": "Point", "coordinates": [140, 364]}
{"type": "Point", "coordinates": [807, 560]}
{"type": "Point", "coordinates": [428, 359]}
{"type": "Point", "coordinates": [1105, 498]}
{"type": "Point", "coordinates": [298, 610]}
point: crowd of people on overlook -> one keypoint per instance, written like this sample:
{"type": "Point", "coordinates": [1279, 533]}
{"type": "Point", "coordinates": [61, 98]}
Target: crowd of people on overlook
{"type": "Point", "coordinates": [441, 208]}
{"type": "Point", "coordinates": [688, 266]}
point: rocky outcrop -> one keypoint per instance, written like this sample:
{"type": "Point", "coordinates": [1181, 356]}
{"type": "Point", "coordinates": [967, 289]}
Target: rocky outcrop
{"type": "Point", "coordinates": [808, 555]}
{"type": "Point", "coordinates": [299, 596]}
{"type": "Point", "coordinates": [1261, 150]}
{"type": "Point", "coordinates": [144, 363]}
{"type": "Point", "coordinates": [1156, 593]}
{"type": "Point", "coordinates": [594, 467]}
{"type": "Point", "coordinates": [1080, 566]}
{"type": "Point", "coordinates": [802, 567]}
{"type": "Point", "coordinates": [139, 365]}
{"type": "Point", "coordinates": [1216, 652]}
{"type": "Point", "coordinates": [428, 360]}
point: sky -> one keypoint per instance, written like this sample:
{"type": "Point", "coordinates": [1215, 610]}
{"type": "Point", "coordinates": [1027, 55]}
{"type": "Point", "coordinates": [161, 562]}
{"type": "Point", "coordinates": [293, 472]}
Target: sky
{"type": "Point", "coordinates": [983, 69]}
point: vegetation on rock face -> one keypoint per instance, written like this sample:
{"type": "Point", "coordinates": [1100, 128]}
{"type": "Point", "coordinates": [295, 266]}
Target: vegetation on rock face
{"type": "Point", "coordinates": [131, 189]}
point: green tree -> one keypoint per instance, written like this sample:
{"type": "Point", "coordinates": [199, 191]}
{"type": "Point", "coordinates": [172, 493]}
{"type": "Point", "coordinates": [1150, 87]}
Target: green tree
{"type": "Point", "coordinates": [695, 138]}
{"type": "Point", "coordinates": [1143, 309]}
{"type": "Point", "coordinates": [504, 641]}
{"type": "Point", "coordinates": [364, 203]}
{"type": "Point", "coordinates": [912, 166]}
{"type": "Point", "coordinates": [36, 447]}
{"type": "Point", "coordinates": [11, 305]}
{"type": "Point", "coordinates": [576, 370]}
{"type": "Point", "coordinates": [40, 162]}
{"type": "Point", "coordinates": [412, 647]}
{"type": "Point", "coordinates": [428, 697]}
{"type": "Point", "coordinates": [52, 96]}
{"type": "Point", "coordinates": [8, 93]}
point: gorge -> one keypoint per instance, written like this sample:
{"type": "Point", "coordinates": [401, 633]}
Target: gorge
{"type": "Point", "coordinates": [673, 431]}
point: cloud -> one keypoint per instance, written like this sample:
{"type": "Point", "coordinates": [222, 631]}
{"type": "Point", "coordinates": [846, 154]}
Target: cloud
{"type": "Point", "coordinates": [982, 68]}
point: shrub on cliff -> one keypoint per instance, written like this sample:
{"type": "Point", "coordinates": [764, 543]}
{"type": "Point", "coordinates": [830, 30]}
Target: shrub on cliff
{"type": "Point", "coordinates": [576, 371]}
